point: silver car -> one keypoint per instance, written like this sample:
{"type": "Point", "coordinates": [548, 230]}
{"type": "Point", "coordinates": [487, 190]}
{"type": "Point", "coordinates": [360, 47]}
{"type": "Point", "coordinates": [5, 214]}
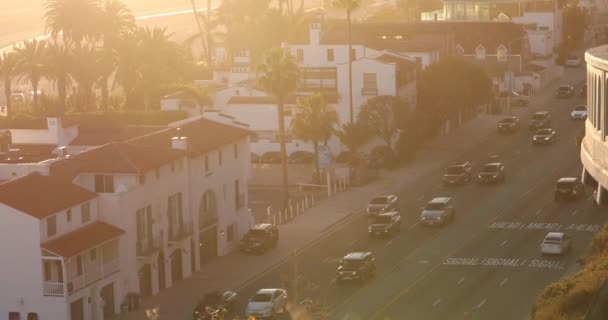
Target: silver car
{"type": "Point", "coordinates": [438, 211]}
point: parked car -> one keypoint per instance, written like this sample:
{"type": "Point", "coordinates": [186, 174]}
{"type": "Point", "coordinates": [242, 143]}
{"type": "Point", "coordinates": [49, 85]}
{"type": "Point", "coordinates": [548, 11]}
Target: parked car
{"type": "Point", "coordinates": [267, 303]}
{"type": "Point", "coordinates": [213, 302]}
{"type": "Point", "coordinates": [540, 119]}
{"type": "Point", "coordinates": [356, 266]}
{"type": "Point", "coordinates": [555, 243]}
{"type": "Point", "coordinates": [438, 211]}
{"type": "Point", "coordinates": [385, 224]}
{"type": "Point", "coordinates": [579, 113]}
{"type": "Point", "coordinates": [565, 91]}
{"type": "Point", "coordinates": [492, 173]}
{"type": "Point", "coordinates": [271, 157]}
{"type": "Point", "coordinates": [572, 61]}
{"type": "Point", "coordinates": [380, 204]}
{"type": "Point", "coordinates": [301, 157]}
{"type": "Point", "coordinates": [508, 124]}
{"type": "Point", "coordinates": [544, 136]}
{"type": "Point", "coordinates": [569, 188]}
{"type": "Point", "coordinates": [458, 173]}
{"type": "Point", "coordinates": [260, 238]}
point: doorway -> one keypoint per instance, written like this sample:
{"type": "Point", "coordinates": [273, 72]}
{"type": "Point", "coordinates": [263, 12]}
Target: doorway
{"type": "Point", "coordinates": [107, 294]}
{"type": "Point", "coordinates": [160, 263]}
{"type": "Point", "coordinates": [76, 310]}
{"type": "Point", "coordinates": [176, 265]}
{"type": "Point", "coordinates": [208, 244]}
{"type": "Point", "coordinates": [145, 280]}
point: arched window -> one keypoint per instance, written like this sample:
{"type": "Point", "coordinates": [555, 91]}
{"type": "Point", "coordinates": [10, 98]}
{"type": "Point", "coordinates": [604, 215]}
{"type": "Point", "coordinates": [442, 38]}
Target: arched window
{"type": "Point", "coordinates": [480, 52]}
{"type": "Point", "coordinates": [501, 53]}
{"type": "Point", "coordinates": [503, 17]}
{"type": "Point", "coordinates": [459, 50]}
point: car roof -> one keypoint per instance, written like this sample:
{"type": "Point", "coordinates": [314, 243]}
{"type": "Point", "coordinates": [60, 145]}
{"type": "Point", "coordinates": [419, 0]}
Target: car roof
{"type": "Point", "coordinates": [270, 291]}
{"type": "Point", "coordinates": [440, 200]}
{"type": "Point", "coordinates": [555, 235]}
{"type": "Point", "coordinates": [493, 164]}
{"type": "Point", "coordinates": [262, 226]}
{"type": "Point", "coordinates": [459, 164]}
{"type": "Point", "coordinates": [567, 179]}
{"type": "Point", "coordinates": [357, 255]}
{"type": "Point", "coordinates": [387, 214]}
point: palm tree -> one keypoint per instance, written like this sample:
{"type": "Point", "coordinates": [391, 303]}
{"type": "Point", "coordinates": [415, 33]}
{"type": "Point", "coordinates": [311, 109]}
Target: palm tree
{"type": "Point", "coordinates": [115, 20]}
{"type": "Point", "coordinates": [74, 20]}
{"type": "Point", "coordinates": [8, 71]}
{"type": "Point", "coordinates": [86, 72]}
{"type": "Point", "coordinates": [314, 121]}
{"type": "Point", "coordinates": [279, 75]}
{"type": "Point", "coordinates": [349, 6]}
{"type": "Point", "coordinates": [31, 65]}
{"type": "Point", "coordinates": [59, 61]}
{"type": "Point", "coordinates": [128, 61]}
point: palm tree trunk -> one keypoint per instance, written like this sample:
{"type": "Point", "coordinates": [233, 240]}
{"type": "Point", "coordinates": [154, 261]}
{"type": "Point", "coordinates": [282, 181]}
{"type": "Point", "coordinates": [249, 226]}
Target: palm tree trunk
{"type": "Point", "coordinates": [35, 99]}
{"type": "Point", "coordinates": [104, 94]}
{"type": "Point", "coordinates": [283, 152]}
{"type": "Point", "coordinates": [7, 94]}
{"type": "Point", "coordinates": [62, 94]}
{"type": "Point", "coordinates": [315, 145]}
{"type": "Point", "coordinates": [350, 70]}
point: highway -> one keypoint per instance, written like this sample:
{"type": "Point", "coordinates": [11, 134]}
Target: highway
{"type": "Point", "coordinates": [487, 264]}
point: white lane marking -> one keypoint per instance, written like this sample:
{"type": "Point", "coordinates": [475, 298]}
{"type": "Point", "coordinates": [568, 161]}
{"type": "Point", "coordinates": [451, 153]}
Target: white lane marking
{"type": "Point", "coordinates": [539, 211]}
{"type": "Point", "coordinates": [437, 302]}
{"type": "Point", "coordinates": [460, 281]}
{"type": "Point", "coordinates": [503, 282]}
{"type": "Point", "coordinates": [481, 304]}
{"type": "Point", "coordinates": [574, 212]}
{"type": "Point", "coordinates": [503, 243]}
{"type": "Point", "coordinates": [388, 243]}
{"type": "Point", "coordinates": [412, 226]}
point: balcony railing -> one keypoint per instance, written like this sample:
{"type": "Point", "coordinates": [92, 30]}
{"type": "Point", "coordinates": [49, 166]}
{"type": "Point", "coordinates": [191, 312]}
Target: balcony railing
{"type": "Point", "coordinates": [109, 267]}
{"type": "Point", "coordinates": [53, 289]}
{"type": "Point", "coordinates": [180, 232]}
{"type": "Point", "coordinates": [146, 247]}
{"type": "Point", "coordinates": [93, 272]}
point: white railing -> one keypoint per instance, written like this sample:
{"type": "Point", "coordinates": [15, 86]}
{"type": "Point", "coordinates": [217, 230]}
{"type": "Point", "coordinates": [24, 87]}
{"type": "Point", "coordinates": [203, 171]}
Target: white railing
{"type": "Point", "coordinates": [76, 283]}
{"type": "Point", "coordinates": [92, 272]}
{"type": "Point", "coordinates": [110, 267]}
{"type": "Point", "coordinates": [55, 289]}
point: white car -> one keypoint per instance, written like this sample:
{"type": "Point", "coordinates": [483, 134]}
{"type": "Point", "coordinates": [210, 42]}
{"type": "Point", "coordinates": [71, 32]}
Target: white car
{"type": "Point", "coordinates": [266, 303]}
{"type": "Point", "coordinates": [573, 61]}
{"type": "Point", "coordinates": [555, 243]}
{"type": "Point", "coordinates": [579, 113]}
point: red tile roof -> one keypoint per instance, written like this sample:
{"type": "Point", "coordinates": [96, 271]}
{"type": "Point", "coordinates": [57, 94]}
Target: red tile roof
{"type": "Point", "coordinates": [100, 136]}
{"type": "Point", "coordinates": [41, 196]}
{"type": "Point", "coordinates": [82, 239]}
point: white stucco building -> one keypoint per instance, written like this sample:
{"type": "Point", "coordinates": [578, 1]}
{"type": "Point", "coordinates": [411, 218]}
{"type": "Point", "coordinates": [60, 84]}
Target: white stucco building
{"type": "Point", "coordinates": [121, 219]}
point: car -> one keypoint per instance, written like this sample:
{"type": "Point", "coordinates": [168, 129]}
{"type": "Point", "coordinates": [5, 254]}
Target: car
{"type": "Point", "coordinates": [438, 211]}
{"type": "Point", "coordinates": [508, 124]}
{"type": "Point", "coordinates": [540, 119]}
{"type": "Point", "coordinates": [260, 238]}
{"type": "Point", "coordinates": [565, 91]}
{"type": "Point", "coordinates": [266, 303]}
{"type": "Point", "coordinates": [569, 188]}
{"type": "Point", "coordinates": [517, 99]}
{"type": "Point", "coordinates": [385, 224]}
{"type": "Point", "coordinates": [572, 61]}
{"type": "Point", "coordinates": [458, 173]}
{"type": "Point", "coordinates": [492, 173]}
{"type": "Point", "coordinates": [271, 157]}
{"type": "Point", "coordinates": [301, 157]}
{"type": "Point", "coordinates": [214, 300]}
{"type": "Point", "coordinates": [544, 136]}
{"type": "Point", "coordinates": [380, 204]}
{"type": "Point", "coordinates": [555, 243]}
{"type": "Point", "coordinates": [356, 266]}
{"type": "Point", "coordinates": [583, 90]}
{"type": "Point", "coordinates": [579, 113]}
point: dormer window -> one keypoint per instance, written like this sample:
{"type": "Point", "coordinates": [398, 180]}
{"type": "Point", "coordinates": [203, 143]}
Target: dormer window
{"type": "Point", "coordinates": [459, 50]}
{"type": "Point", "coordinates": [480, 52]}
{"type": "Point", "coordinates": [104, 183]}
{"type": "Point", "coordinates": [51, 226]}
{"type": "Point", "coordinates": [501, 53]}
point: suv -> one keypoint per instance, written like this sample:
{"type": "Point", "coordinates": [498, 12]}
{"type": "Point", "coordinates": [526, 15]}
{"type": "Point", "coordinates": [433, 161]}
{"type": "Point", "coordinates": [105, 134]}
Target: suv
{"type": "Point", "coordinates": [508, 124]}
{"type": "Point", "coordinates": [565, 91]}
{"type": "Point", "coordinates": [382, 204]}
{"type": "Point", "coordinates": [385, 224]}
{"type": "Point", "coordinates": [260, 238]}
{"type": "Point", "coordinates": [437, 212]}
{"type": "Point", "coordinates": [457, 173]}
{"type": "Point", "coordinates": [569, 188]}
{"type": "Point", "coordinates": [540, 119]}
{"type": "Point", "coordinates": [356, 266]}
{"type": "Point", "coordinates": [492, 173]}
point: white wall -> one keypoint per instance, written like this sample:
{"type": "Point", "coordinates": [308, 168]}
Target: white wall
{"type": "Point", "coordinates": [62, 224]}
{"type": "Point", "coordinates": [21, 271]}
{"type": "Point", "coordinates": [316, 55]}
{"type": "Point", "coordinates": [221, 98]}
{"type": "Point", "coordinates": [541, 42]}
{"type": "Point", "coordinates": [10, 171]}
{"type": "Point", "coordinates": [550, 20]}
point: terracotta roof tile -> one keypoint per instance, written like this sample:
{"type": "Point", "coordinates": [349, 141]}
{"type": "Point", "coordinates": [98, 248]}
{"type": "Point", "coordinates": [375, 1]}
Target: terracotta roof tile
{"type": "Point", "coordinates": [41, 196]}
{"type": "Point", "coordinates": [82, 239]}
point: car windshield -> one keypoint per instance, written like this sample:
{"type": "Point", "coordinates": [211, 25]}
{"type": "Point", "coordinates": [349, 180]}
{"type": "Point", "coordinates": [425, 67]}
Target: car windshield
{"type": "Point", "coordinates": [565, 185]}
{"type": "Point", "coordinates": [544, 132]}
{"type": "Point", "coordinates": [433, 206]}
{"type": "Point", "coordinates": [262, 297]}
{"type": "Point", "coordinates": [490, 168]}
{"type": "Point", "coordinates": [581, 108]}
{"type": "Point", "coordinates": [382, 219]}
{"type": "Point", "coordinates": [539, 116]}
{"type": "Point", "coordinates": [454, 170]}
{"type": "Point", "coordinates": [379, 200]}
{"type": "Point", "coordinates": [255, 233]}
{"type": "Point", "coordinates": [507, 120]}
{"type": "Point", "coordinates": [351, 263]}
{"type": "Point", "coordinates": [553, 240]}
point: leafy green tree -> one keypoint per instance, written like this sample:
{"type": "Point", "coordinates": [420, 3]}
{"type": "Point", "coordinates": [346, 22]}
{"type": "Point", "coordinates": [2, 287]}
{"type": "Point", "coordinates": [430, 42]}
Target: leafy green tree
{"type": "Point", "coordinates": [75, 20]}
{"type": "Point", "coordinates": [384, 115]}
{"type": "Point", "coordinates": [278, 77]}
{"type": "Point", "coordinates": [31, 65]}
{"type": "Point", "coordinates": [314, 121]}
{"type": "Point", "coordinates": [349, 6]}
{"type": "Point", "coordinates": [8, 71]}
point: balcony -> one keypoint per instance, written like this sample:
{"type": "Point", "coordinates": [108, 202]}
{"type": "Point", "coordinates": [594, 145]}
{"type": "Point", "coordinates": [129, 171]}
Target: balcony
{"type": "Point", "coordinates": [179, 233]}
{"type": "Point", "coordinates": [145, 247]}
{"type": "Point", "coordinates": [53, 289]}
{"type": "Point", "coordinates": [92, 273]}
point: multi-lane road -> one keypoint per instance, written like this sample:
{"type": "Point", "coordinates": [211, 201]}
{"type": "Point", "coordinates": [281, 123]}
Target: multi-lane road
{"type": "Point", "coordinates": [487, 264]}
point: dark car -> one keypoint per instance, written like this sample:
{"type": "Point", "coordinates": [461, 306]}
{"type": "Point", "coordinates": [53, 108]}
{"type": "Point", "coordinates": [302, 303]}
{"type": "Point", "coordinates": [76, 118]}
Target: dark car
{"type": "Point", "coordinates": [457, 173]}
{"type": "Point", "coordinates": [260, 238]}
{"type": "Point", "coordinates": [356, 266]}
{"type": "Point", "coordinates": [540, 119]}
{"type": "Point", "coordinates": [301, 157]}
{"type": "Point", "coordinates": [565, 91]}
{"type": "Point", "coordinates": [492, 173]}
{"type": "Point", "coordinates": [214, 302]}
{"type": "Point", "coordinates": [508, 124]}
{"type": "Point", "coordinates": [385, 224]}
{"type": "Point", "coordinates": [544, 136]}
{"type": "Point", "coordinates": [569, 189]}
{"type": "Point", "coordinates": [380, 204]}
{"type": "Point", "coordinates": [271, 157]}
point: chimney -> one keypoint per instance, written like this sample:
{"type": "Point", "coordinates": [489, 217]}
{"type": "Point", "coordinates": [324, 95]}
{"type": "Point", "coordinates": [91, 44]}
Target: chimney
{"type": "Point", "coordinates": [63, 152]}
{"type": "Point", "coordinates": [315, 32]}
{"type": "Point", "coordinates": [178, 142]}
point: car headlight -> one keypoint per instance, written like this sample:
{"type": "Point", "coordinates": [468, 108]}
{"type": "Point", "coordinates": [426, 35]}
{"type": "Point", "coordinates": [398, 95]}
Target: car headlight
{"type": "Point", "coordinates": [495, 176]}
{"type": "Point", "coordinates": [547, 138]}
{"type": "Point", "coordinates": [369, 229]}
{"type": "Point", "coordinates": [354, 273]}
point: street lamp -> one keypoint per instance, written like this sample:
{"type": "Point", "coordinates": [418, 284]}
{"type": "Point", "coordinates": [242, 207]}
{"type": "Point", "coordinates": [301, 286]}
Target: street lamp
{"type": "Point", "coordinates": [510, 93]}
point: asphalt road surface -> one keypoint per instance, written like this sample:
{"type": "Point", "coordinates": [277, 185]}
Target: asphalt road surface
{"type": "Point", "coordinates": [487, 264]}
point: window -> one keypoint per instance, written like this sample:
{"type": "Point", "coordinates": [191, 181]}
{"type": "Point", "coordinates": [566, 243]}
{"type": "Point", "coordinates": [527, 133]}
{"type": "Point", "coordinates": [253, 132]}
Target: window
{"type": "Point", "coordinates": [47, 271]}
{"type": "Point", "coordinates": [237, 200]}
{"type": "Point", "coordinates": [230, 233]}
{"type": "Point", "coordinates": [353, 54]}
{"type": "Point", "coordinates": [300, 55]}
{"type": "Point", "coordinates": [501, 54]}
{"type": "Point", "coordinates": [236, 151]}
{"type": "Point", "coordinates": [369, 84]}
{"type": "Point", "coordinates": [51, 226]}
{"type": "Point", "coordinates": [93, 254]}
{"type": "Point", "coordinates": [32, 316]}
{"type": "Point", "coordinates": [459, 50]}
{"type": "Point", "coordinates": [142, 179]}
{"type": "Point", "coordinates": [14, 316]}
{"type": "Point", "coordinates": [104, 183]}
{"type": "Point", "coordinates": [219, 157]}
{"type": "Point", "coordinates": [79, 266]}
{"type": "Point", "coordinates": [206, 163]}
{"type": "Point", "coordinates": [69, 215]}
{"type": "Point", "coordinates": [330, 55]}
{"type": "Point", "coordinates": [85, 212]}
{"type": "Point", "coordinates": [480, 52]}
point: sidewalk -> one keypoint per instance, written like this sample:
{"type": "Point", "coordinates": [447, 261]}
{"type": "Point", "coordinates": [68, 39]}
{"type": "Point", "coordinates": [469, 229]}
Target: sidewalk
{"type": "Point", "coordinates": [236, 270]}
